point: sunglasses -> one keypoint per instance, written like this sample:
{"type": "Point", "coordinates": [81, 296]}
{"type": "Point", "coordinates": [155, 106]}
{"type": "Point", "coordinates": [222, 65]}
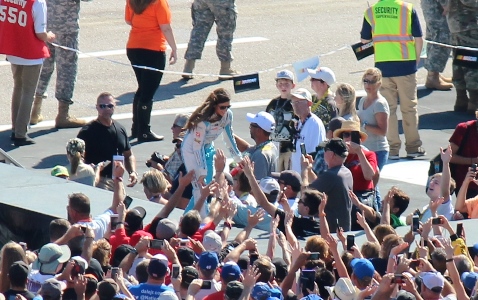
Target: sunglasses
{"type": "Point", "coordinates": [366, 81]}
{"type": "Point", "coordinates": [346, 134]}
{"type": "Point", "coordinates": [177, 126]}
{"type": "Point", "coordinates": [315, 79]}
{"type": "Point", "coordinates": [103, 106]}
{"type": "Point", "coordinates": [224, 107]}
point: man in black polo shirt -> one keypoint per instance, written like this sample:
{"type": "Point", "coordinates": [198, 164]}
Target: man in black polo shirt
{"type": "Point", "coordinates": [303, 225]}
{"type": "Point", "coordinates": [104, 137]}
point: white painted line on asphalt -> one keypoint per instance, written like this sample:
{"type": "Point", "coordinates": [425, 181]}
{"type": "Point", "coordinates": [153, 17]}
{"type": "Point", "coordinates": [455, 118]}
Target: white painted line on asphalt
{"type": "Point", "coordinates": [409, 171]}
{"type": "Point", "coordinates": [253, 39]}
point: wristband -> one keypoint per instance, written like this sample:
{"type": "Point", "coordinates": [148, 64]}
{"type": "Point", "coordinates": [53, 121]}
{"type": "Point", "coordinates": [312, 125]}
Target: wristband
{"type": "Point", "coordinates": [134, 251]}
{"type": "Point", "coordinates": [453, 237]}
{"type": "Point", "coordinates": [449, 260]}
{"type": "Point", "coordinates": [392, 257]}
{"type": "Point", "coordinates": [133, 172]}
{"type": "Point", "coordinates": [228, 224]}
{"type": "Point", "coordinates": [118, 223]}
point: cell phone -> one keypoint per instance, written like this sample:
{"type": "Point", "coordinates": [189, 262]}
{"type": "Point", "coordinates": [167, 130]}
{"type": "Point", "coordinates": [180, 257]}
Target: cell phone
{"type": "Point", "coordinates": [24, 245]}
{"type": "Point", "coordinates": [106, 163]}
{"type": "Point", "coordinates": [175, 271]}
{"type": "Point", "coordinates": [350, 241]}
{"type": "Point", "coordinates": [307, 280]}
{"type": "Point", "coordinates": [253, 257]}
{"type": "Point", "coordinates": [113, 222]}
{"type": "Point", "coordinates": [473, 167]}
{"type": "Point", "coordinates": [399, 259]}
{"type": "Point", "coordinates": [127, 201]}
{"type": "Point", "coordinates": [355, 137]}
{"type": "Point", "coordinates": [206, 285]}
{"type": "Point", "coordinates": [184, 242]}
{"type": "Point", "coordinates": [415, 223]}
{"type": "Point", "coordinates": [398, 278]}
{"type": "Point", "coordinates": [338, 225]}
{"type": "Point", "coordinates": [83, 228]}
{"type": "Point", "coordinates": [114, 272]}
{"type": "Point", "coordinates": [436, 221]}
{"type": "Point", "coordinates": [314, 256]}
{"type": "Point", "coordinates": [414, 263]}
{"type": "Point", "coordinates": [119, 158]}
{"type": "Point", "coordinates": [459, 229]}
{"type": "Point", "coordinates": [302, 149]}
{"type": "Point", "coordinates": [156, 244]}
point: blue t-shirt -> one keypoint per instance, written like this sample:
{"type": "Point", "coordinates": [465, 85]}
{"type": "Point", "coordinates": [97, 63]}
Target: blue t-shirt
{"type": "Point", "coordinates": [395, 68]}
{"type": "Point", "coordinates": [146, 291]}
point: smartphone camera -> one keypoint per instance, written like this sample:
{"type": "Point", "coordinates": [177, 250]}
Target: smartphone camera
{"type": "Point", "coordinates": [355, 137]}
{"type": "Point", "coordinates": [114, 272]}
{"type": "Point", "coordinates": [473, 167]}
{"type": "Point", "coordinates": [127, 201]}
{"type": "Point", "coordinates": [156, 244]}
{"type": "Point", "coordinates": [459, 229]}
{"type": "Point", "coordinates": [398, 279]}
{"type": "Point", "coordinates": [83, 228]}
{"type": "Point", "coordinates": [415, 224]}
{"type": "Point", "coordinates": [350, 242]}
{"type": "Point", "coordinates": [314, 256]}
{"type": "Point", "coordinates": [175, 271]}
{"type": "Point", "coordinates": [302, 149]}
{"type": "Point", "coordinates": [253, 257]}
{"type": "Point", "coordinates": [436, 221]}
{"type": "Point", "coordinates": [206, 285]}
{"type": "Point", "coordinates": [113, 222]}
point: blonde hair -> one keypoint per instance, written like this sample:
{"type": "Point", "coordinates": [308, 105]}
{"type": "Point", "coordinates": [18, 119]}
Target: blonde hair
{"type": "Point", "coordinates": [75, 149]}
{"type": "Point", "coordinates": [347, 93]}
{"type": "Point", "coordinates": [154, 181]}
{"type": "Point", "coordinates": [11, 252]}
{"type": "Point", "coordinates": [374, 72]}
{"type": "Point", "coordinates": [102, 252]}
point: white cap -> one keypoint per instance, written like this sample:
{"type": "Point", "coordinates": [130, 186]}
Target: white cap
{"type": "Point", "coordinates": [432, 280]}
{"type": "Point", "coordinates": [269, 184]}
{"type": "Point", "coordinates": [285, 74]}
{"type": "Point", "coordinates": [324, 73]}
{"type": "Point", "coordinates": [343, 289]}
{"type": "Point", "coordinates": [302, 94]}
{"type": "Point", "coordinates": [264, 119]}
{"type": "Point", "coordinates": [212, 241]}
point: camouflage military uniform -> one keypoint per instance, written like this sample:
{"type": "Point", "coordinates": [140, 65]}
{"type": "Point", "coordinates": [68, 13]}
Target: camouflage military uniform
{"type": "Point", "coordinates": [463, 23]}
{"type": "Point", "coordinates": [437, 31]}
{"type": "Point", "coordinates": [63, 17]}
{"type": "Point", "coordinates": [204, 14]}
{"type": "Point", "coordinates": [324, 108]}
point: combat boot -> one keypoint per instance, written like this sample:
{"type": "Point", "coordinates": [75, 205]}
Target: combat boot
{"type": "Point", "coordinates": [446, 79]}
{"type": "Point", "coordinates": [64, 120]}
{"type": "Point", "coordinates": [473, 102]}
{"type": "Point", "coordinates": [226, 70]}
{"type": "Point", "coordinates": [435, 82]}
{"type": "Point", "coordinates": [144, 127]}
{"type": "Point", "coordinates": [36, 116]}
{"type": "Point", "coordinates": [462, 100]}
{"type": "Point", "coordinates": [188, 68]}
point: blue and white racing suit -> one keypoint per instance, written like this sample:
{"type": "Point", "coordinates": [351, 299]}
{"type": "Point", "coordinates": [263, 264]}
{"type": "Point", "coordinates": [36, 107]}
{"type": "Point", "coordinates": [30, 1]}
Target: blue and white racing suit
{"type": "Point", "coordinates": [198, 152]}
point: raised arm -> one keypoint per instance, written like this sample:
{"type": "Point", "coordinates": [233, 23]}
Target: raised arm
{"type": "Point", "coordinates": [445, 177]}
{"type": "Point", "coordinates": [460, 204]}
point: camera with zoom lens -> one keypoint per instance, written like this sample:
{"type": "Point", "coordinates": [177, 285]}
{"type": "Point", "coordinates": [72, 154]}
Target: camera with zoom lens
{"type": "Point", "coordinates": [156, 157]}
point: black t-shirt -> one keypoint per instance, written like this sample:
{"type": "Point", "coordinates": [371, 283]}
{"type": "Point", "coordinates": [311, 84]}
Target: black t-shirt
{"type": "Point", "coordinates": [282, 111]}
{"type": "Point", "coordinates": [188, 191]}
{"type": "Point", "coordinates": [11, 294]}
{"type": "Point", "coordinates": [102, 142]}
{"type": "Point", "coordinates": [301, 226]}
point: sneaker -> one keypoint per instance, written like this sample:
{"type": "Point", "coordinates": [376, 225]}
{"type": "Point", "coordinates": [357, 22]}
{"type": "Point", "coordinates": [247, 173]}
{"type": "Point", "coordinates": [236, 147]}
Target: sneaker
{"type": "Point", "coordinates": [393, 157]}
{"type": "Point", "coordinates": [418, 153]}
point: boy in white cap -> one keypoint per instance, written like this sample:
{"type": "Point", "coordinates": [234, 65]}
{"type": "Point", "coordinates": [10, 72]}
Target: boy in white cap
{"type": "Point", "coordinates": [281, 109]}
{"type": "Point", "coordinates": [323, 101]}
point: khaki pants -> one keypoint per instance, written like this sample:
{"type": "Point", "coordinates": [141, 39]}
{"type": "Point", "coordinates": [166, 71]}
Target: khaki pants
{"type": "Point", "coordinates": [25, 80]}
{"type": "Point", "coordinates": [283, 162]}
{"type": "Point", "coordinates": [405, 89]}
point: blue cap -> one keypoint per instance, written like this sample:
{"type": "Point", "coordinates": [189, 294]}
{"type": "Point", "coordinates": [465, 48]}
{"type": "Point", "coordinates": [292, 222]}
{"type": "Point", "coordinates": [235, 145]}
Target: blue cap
{"type": "Point", "coordinates": [362, 268]}
{"type": "Point", "coordinates": [469, 280]}
{"type": "Point", "coordinates": [475, 249]}
{"type": "Point", "coordinates": [230, 271]}
{"type": "Point", "coordinates": [312, 297]}
{"type": "Point", "coordinates": [208, 260]}
{"type": "Point", "coordinates": [262, 290]}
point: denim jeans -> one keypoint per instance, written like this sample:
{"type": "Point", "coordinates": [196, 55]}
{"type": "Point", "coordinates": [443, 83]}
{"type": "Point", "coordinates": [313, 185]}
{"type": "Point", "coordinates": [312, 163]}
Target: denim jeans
{"type": "Point", "coordinates": [382, 157]}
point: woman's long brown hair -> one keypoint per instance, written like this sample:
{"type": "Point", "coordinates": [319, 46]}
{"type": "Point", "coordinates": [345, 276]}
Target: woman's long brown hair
{"type": "Point", "coordinates": [206, 110]}
{"type": "Point", "coordinates": [139, 6]}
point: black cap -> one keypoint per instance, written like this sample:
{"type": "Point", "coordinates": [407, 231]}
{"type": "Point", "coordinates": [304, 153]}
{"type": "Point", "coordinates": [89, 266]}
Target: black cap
{"type": "Point", "coordinates": [336, 145]}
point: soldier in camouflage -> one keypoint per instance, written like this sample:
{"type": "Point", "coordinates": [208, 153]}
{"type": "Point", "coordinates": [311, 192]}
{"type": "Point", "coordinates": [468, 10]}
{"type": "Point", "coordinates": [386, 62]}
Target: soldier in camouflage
{"type": "Point", "coordinates": [437, 56]}
{"type": "Point", "coordinates": [63, 18]}
{"type": "Point", "coordinates": [204, 14]}
{"type": "Point", "coordinates": [462, 18]}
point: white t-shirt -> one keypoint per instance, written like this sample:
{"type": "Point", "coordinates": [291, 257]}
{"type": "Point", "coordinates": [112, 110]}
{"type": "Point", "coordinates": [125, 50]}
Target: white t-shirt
{"type": "Point", "coordinates": [445, 209]}
{"type": "Point", "coordinates": [311, 134]}
{"type": "Point", "coordinates": [39, 18]}
{"type": "Point", "coordinates": [100, 224]}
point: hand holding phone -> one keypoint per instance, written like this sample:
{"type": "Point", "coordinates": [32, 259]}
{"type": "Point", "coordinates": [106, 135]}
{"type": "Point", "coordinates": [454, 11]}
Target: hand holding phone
{"type": "Point", "coordinates": [114, 272]}
{"type": "Point", "coordinates": [355, 137]}
{"type": "Point", "coordinates": [156, 244]}
{"type": "Point", "coordinates": [398, 279]}
{"type": "Point", "coordinates": [436, 221]}
{"type": "Point", "coordinates": [459, 229]}
{"type": "Point", "coordinates": [415, 223]}
{"type": "Point", "coordinates": [175, 271]}
{"type": "Point", "coordinates": [314, 256]}
{"type": "Point", "coordinates": [206, 285]}
{"type": "Point", "coordinates": [350, 241]}
{"type": "Point", "coordinates": [302, 149]}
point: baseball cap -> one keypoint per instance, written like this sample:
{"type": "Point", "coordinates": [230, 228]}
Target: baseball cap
{"type": "Point", "coordinates": [157, 268]}
{"type": "Point", "coordinates": [475, 249]}
{"type": "Point", "coordinates": [18, 271]}
{"type": "Point", "coordinates": [234, 290]}
{"type": "Point", "coordinates": [181, 120]}
{"type": "Point", "coordinates": [311, 297]}
{"type": "Point", "coordinates": [302, 94]}
{"type": "Point", "coordinates": [59, 171]}
{"type": "Point", "coordinates": [230, 271]}
{"type": "Point", "coordinates": [81, 262]}
{"type": "Point", "coordinates": [469, 279]}
{"type": "Point", "coordinates": [137, 235]}
{"type": "Point", "coordinates": [262, 290]}
{"type": "Point", "coordinates": [323, 73]}
{"type": "Point", "coordinates": [336, 145]}
{"type": "Point", "coordinates": [50, 256]}
{"type": "Point", "coordinates": [51, 289]}
{"type": "Point", "coordinates": [134, 218]}
{"type": "Point", "coordinates": [212, 241]}
{"type": "Point", "coordinates": [285, 74]}
{"type": "Point", "coordinates": [208, 260]}
{"type": "Point", "coordinates": [264, 119]}
{"type": "Point", "coordinates": [121, 253]}
{"type": "Point", "coordinates": [188, 274]}
{"type": "Point", "coordinates": [343, 289]}
{"type": "Point", "coordinates": [107, 289]}
{"type": "Point", "coordinates": [433, 281]}
{"type": "Point", "coordinates": [243, 262]}
{"type": "Point", "coordinates": [186, 256]}
{"type": "Point", "coordinates": [290, 177]}
{"type": "Point", "coordinates": [404, 295]}
{"type": "Point", "coordinates": [165, 229]}
{"type": "Point", "coordinates": [362, 268]}
{"type": "Point", "coordinates": [281, 267]}
{"type": "Point", "coordinates": [229, 179]}
{"type": "Point", "coordinates": [269, 184]}
{"type": "Point", "coordinates": [335, 123]}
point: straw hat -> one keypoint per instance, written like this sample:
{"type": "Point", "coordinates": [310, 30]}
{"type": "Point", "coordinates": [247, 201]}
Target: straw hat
{"type": "Point", "coordinates": [348, 126]}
